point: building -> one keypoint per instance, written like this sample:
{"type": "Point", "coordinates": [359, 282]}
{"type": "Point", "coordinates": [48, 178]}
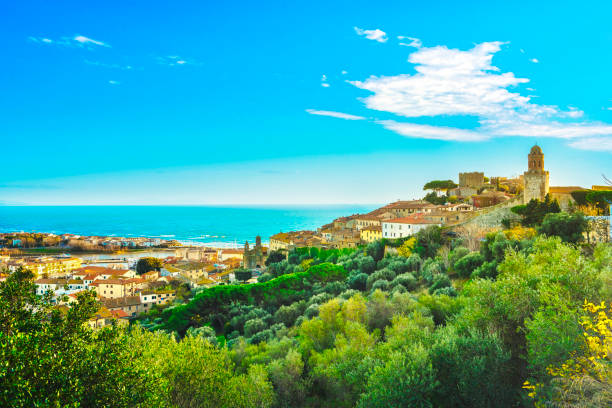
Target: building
{"type": "Point", "coordinates": [563, 195]}
{"type": "Point", "coordinates": [255, 257]}
{"type": "Point", "coordinates": [406, 226]}
{"type": "Point", "coordinates": [535, 178]}
{"type": "Point", "coordinates": [404, 208]}
{"type": "Point", "coordinates": [474, 179]}
{"type": "Point", "coordinates": [225, 254]}
{"type": "Point", "coordinates": [489, 198]}
{"type": "Point", "coordinates": [367, 220]}
{"type": "Point", "coordinates": [371, 233]}
{"type": "Point", "coordinates": [463, 192]}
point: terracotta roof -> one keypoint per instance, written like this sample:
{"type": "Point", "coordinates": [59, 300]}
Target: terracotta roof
{"type": "Point", "coordinates": [119, 313]}
{"type": "Point", "coordinates": [412, 219]}
{"type": "Point", "coordinates": [372, 228]}
{"type": "Point", "coordinates": [120, 302]}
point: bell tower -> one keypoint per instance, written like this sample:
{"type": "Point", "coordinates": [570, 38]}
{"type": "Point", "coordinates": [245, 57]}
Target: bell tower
{"type": "Point", "coordinates": [536, 178]}
{"type": "Point", "coordinates": [536, 159]}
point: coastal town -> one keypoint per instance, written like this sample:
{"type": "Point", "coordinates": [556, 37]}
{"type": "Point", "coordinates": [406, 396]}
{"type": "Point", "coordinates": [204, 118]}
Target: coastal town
{"type": "Point", "coordinates": [64, 265]}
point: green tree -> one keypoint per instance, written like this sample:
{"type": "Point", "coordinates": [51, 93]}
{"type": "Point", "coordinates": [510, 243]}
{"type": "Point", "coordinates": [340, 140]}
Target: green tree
{"type": "Point", "coordinates": [467, 264]}
{"type": "Point", "coordinates": [243, 275]}
{"type": "Point", "coordinates": [376, 250]}
{"type": "Point", "coordinates": [274, 256]}
{"type": "Point", "coordinates": [534, 211]}
{"type": "Point", "coordinates": [407, 379]}
{"type": "Point", "coordinates": [51, 357]}
{"type": "Point", "coordinates": [440, 185]}
{"type": "Point", "coordinates": [569, 227]}
{"type": "Point", "coordinates": [148, 264]}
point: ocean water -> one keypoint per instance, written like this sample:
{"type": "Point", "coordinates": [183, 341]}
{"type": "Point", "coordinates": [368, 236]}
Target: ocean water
{"type": "Point", "coordinates": [200, 225]}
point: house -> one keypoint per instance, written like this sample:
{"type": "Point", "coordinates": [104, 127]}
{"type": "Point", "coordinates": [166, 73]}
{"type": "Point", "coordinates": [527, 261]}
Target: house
{"type": "Point", "coordinates": [406, 226]}
{"type": "Point", "coordinates": [489, 198]}
{"type": "Point", "coordinates": [224, 254]}
{"type": "Point", "coordinates": [371, 233]}
{"type": "Point", "coordinates": [367, 220]}
{"type": "Point", "coordinates": [404, 208]}
{"type": "Point", "coordinates": [564, 196]}
{"type": "Point", "coordinates": [130, 305]}
{"type": "Point", "coordinates": [112, 288]}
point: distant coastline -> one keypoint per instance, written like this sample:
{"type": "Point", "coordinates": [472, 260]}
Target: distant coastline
{"type": "Point", "coordinates": [219, 227]}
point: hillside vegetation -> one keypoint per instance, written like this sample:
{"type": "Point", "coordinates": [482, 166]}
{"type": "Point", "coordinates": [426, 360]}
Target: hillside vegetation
{"type": "Point", "coordinates": [522, 322]}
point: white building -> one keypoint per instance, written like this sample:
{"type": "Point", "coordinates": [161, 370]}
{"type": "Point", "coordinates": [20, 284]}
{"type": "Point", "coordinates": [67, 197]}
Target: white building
{"type": "Point", "coordinates": [406, 226]}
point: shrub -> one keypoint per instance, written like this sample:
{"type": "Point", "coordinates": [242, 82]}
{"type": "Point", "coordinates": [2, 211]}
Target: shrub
{"type": "Point", "coordinates": [381, 284]}
{"type": "Point", "coordinates": [407, 280]}
{"type": "Point", "coordinates": [311, 311]}
{"type": "Point", "coordinates": [439, 281]}
{"type": "Point", "coordinates": [487, 270]}
{"type": "Point", "coordinates": [386, 274]}
{"type": "Point", "coordinates": [254, 326]}
{"type": "Point", "coordinates": [569, 227]}
{"type": "Point", "coordinates": [358, 281]}
{"type": "Point", "coordinates": [466, 265]}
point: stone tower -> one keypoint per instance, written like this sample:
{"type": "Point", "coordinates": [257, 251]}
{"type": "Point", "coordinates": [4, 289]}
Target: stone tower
{"type": "Point", "coordinates": [536, 178]}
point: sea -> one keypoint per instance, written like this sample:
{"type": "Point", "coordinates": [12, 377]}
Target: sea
{"type": "Point", "coordinates": [216, 226]}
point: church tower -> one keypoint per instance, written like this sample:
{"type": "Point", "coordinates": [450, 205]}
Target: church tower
{"type": "Point", "coordinates": [536, 178]}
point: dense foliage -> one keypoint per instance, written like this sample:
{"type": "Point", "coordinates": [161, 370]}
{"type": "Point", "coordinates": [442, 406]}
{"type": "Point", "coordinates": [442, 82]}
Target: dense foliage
{"type": "Point", "coordinates": [148, 264]}
{"type": "Point", "coordinates": [534, 211]}
{"type": "Point", "coordinates": [434, 326]}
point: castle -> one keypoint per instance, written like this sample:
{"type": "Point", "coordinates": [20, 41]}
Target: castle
{"type": "Point", "coordinates": [535, 178]}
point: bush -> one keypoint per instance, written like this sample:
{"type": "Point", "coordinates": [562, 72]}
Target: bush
{"type": "Point", "coordinates": [358, 281]}
{"type": "Point", "coordinates": [376, 250]}
{"type": "Point", "coordinates": [487, 270]}
{"type": "Point", "coordinates": [407, 280]}
{"type": "Point", "coordinates": [254, 326]}
{"type": "Point", "coordinates": [381, 284]}
{"type": "Point", "coordinates": [386, 274]}
{"type": "Point", "coordinates": [569, 227]}
{"type": "Point", "coordinates": [366, 264]}
{"type": "Point", "coordinates": [414, 263]}
{"type": "Point", "coordinates": [274, 257]}
{"type": "Point", "coordinates": [468, 263]}
{"type": "Point", "coordinates": [456, 254]}
{"type": "Point", "coordinates": [440, 281]}
{"type": "Point", "coordinates": [311, 311]}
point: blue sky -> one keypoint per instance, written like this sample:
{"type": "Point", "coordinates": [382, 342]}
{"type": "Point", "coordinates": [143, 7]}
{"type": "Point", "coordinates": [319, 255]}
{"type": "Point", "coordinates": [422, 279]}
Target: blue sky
{"type": "Point", "coordinates": [197, 102]}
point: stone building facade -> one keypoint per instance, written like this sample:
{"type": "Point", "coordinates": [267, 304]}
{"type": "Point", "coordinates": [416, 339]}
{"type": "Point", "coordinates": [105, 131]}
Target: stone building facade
{"type": "Point", "coordinates": [254, 258]}
{"type": "Point", "coordinates": [536, 178]}
{"type": "Point", "coordinates": [474, 179]}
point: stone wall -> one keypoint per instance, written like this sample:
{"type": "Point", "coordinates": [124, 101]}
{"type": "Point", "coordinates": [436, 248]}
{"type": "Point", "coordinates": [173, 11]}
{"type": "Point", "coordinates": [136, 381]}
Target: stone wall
{"type": "Point", "coordinates": [474, 179]}
{"type": "Point", "coordinates": [598, 230]}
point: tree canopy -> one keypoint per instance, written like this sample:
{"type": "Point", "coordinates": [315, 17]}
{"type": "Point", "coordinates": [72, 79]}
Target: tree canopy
{"type": "Point", "coordinates": [148, 264]}
{"type": "Point", "coordinates": [440, 185]}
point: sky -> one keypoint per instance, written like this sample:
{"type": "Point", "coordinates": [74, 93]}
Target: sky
{"type": "Point", "coordinates": [275, 102]}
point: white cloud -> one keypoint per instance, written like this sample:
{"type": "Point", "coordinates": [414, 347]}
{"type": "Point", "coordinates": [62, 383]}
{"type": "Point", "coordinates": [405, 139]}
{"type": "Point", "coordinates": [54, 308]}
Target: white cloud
{"type": "Point", "coordinates": [432, 132]}
{"type": "Point", "coordinates": [602, 144]}
{"type": "Point", "coordinates": [173, 60]}
{"type": "Point", "coordinates": [77, 41]}
{"type": "Point", "coordinates": [414, 42]}
{"type": "Point", "coordinates": [105, 65]}
{"type": "Point", "coordinates": [344, 72]}
{"type": "Point", "coordinates": [88, 41]}
{"type": "Point", "coordinates": [376, 35]}
{"type": "Point", "coordinates": [534, 60]}
{"type": "Point", "coordinates": [338, 115]}
{"type": "Point", "coordinates": [114, 82]}
{"type": "Point", "coordinates": [324, 83]}
{"type": "Point", "coordinates": [452, 82]}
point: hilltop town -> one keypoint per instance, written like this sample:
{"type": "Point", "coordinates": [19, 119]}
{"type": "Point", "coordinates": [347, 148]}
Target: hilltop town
{"type": "Point", "coordinates": [471, 208]}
